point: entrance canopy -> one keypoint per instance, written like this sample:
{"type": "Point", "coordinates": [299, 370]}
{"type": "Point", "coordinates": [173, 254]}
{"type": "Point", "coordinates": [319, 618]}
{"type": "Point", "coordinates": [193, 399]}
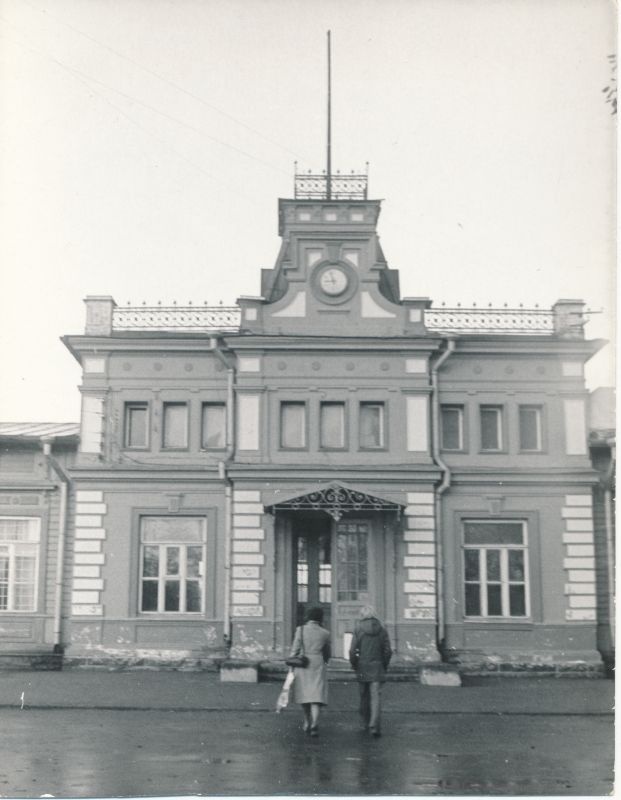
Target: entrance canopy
{"type": "Point", "coordinates": [336, 500]}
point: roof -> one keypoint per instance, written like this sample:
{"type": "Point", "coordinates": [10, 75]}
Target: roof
{"type": "Point", "coordinates": [39, 430]}
{"type": "Point", "coordinates": [602, 409]}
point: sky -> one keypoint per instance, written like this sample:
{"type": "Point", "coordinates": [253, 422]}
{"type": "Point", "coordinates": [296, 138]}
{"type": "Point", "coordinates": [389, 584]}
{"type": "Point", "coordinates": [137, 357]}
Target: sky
{"type": "Point", "coordinates": [144, 145]}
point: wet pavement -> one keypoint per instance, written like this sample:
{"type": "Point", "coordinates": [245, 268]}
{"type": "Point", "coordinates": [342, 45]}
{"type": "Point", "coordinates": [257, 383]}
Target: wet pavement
{"type": "Point", "coordinates": [111, 752]}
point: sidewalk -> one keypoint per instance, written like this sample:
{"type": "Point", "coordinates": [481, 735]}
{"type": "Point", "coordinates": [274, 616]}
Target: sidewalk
{"type": "Point", "coordinates": [203, 691]}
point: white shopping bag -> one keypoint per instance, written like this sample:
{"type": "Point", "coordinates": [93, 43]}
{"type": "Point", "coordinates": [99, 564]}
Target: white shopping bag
{"type": "Point", "coordinates": [283, 697]}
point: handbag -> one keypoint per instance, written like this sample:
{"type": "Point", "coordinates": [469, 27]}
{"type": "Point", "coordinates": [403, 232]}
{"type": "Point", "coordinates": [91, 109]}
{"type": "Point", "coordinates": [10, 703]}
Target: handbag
{"type": "Point", "coordinates": [301, 660]}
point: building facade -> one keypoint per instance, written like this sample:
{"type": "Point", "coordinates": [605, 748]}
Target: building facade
{"type": "Point", "coordinates": [332, 443]}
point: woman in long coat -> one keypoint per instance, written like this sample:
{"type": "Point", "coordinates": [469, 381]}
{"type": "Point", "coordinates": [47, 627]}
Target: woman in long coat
{"type": "Point", "coordinates": [310, 687]}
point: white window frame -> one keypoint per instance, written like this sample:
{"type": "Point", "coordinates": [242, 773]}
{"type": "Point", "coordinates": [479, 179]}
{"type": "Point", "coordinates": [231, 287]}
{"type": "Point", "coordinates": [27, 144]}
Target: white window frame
{"type": "Point", "coordinates": [169, 404]}
{"type": "Point", "coordinates": [31, 545]}
{"type": "Point", "coordinates": [499, 426]}
{"type": "Point", "coordinates": [460, 418]}
{"type": "Point", "coordinates": [205, 429]}
{"type": "Point", "coordinates": [131, 405]}
{"type": "Point", "coordinates": [504, 582]}
{"type": "Point", "coordinates": [323, 406]}
{"type": "Point", "coordinates": [382, 424]}
{"type": "Point", "coordinates": [538, 427]}
{"type": "Point", "coordinates": [281, 425]}
{"type": "Point", "coordinates": [181, 576]}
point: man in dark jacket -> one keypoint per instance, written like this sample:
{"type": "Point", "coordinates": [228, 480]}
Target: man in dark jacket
{"type": "Point", "coordinates": [369, 655]}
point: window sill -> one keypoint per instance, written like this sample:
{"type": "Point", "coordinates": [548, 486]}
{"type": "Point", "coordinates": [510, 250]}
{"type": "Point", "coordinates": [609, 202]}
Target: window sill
{"type": "Point", "coordinates": [499, 624]}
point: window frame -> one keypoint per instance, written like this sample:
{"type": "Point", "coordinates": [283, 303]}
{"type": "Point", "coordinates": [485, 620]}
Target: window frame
{"type": "Point", "coordinates": [500, 427]}
{"type": "Point", "coordinates": [161, 612]}
{"type": "Point", "coordinates": [383, 406]}
{"type": "Point", "coordinates": [539, 427]}
{"type": "Point", "coordinates": [166, 404]}
{"type": "Point", "coordinates": [362, 594]}
{"type": "Point", "coordinates": [218, 404]}
{"type": "Point", "coordinates": [34, 544]}
{"type": "Point", "coordinates": [462, 427]}
{"type": "Point", "coordinates": [128, 406]}
{"type": "Point", "coordinates": [504, 580]}
{"type": "Point", "coordinates": [305, 431]}
{"type": "Point", "coordinates": [345, 419]}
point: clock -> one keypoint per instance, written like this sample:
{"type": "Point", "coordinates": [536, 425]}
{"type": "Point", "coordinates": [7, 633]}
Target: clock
{"type": "Point", "coordinates": [333, 281]}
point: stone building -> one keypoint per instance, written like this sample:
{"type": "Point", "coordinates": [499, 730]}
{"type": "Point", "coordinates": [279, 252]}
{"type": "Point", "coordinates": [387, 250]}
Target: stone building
{"type": "Point", "coordinates": [332, 443]}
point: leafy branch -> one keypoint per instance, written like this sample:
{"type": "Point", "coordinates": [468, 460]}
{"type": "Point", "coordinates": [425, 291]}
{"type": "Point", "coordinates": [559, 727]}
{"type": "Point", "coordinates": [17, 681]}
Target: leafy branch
{"type": "Point", "coordinates": [611, 90]}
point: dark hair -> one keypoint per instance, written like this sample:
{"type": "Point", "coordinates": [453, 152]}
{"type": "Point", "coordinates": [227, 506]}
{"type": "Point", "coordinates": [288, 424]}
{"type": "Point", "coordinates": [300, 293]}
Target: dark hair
{"type": "Point", "coordinates": [315, 614]}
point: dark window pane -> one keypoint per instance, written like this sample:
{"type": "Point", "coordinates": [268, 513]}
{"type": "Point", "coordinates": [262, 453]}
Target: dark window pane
{"type": "Point", "coordinates": [451, 428]}
{"type": "Point", "coordinates": [490, 429]}
{"type": "Point", "coordinates": [332, 424]}
{"type": "Point", "coordinates": [171, 600]}
{"type": "Point", "coordinates": [494, 602]}
{"type": "Point", "coordinates": [493, 533]}
{"type": "Point", "coordinates": [493, 565]}
{"type": "Point", "coordinates": [473, 601]}
{"type": "Point", "coordinates": [193, 596]}
{"type": "Point", "coordinates": [194, 558]}
{"type": "Point", "coordinates": [172, 560]}
{"type": "Point", "coordinates": [214, 425]}
{"type": "Point", "coordinates": [136, 425]}
{"type": "Point", "coordinates": [517, 601]}
{"type": "Point", "coordinates": [293, 425]}
{"type": "Point", "coordinates": [472, 565]}
{"type": "Point", "coordinates": [175, 425]}
{"type": "Point", "coordinates": [530, 428]}
{"type": "Point", "coordinates": [149, 596]}
{"type": "Point", "coordinates": [516, 565]}
{"type": "Point", "coordinates": [371, 425]}
{"type": "Point", "coordinates": [150, 562]}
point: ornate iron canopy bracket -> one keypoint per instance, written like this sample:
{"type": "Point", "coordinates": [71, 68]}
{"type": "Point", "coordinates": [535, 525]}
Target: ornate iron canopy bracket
{"type": "Point", "coordinates": [336, 501]}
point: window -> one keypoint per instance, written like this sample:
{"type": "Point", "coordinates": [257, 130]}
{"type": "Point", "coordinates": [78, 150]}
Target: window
{"type": "Point", "coordinates": [214, 426]}
{"type": "Point", "coordinates": [293, 425]}
{"type": "Point", "coordinates": [491, 428]}
{"type": "Point", "coordinates": [19, 556]}
{"type": "Point", "coordinates": [530, 428]}
{"type": "Point", "coordinates": [172, 558]}
{"type": "Point", "coordinates": [495, 569]}
{"type": "Point", "coordinates": [371, 425]}
{"type": "Point", "coordinates": [352, 560]}
{"type": "Point", "coordinates": [452, 427]}
{"type": "Point", "coordinates": [332, 425]}
{"type": "Point", "coordinates": [175, 425]}
{"type": "Point", "coordinates": [136, 425]}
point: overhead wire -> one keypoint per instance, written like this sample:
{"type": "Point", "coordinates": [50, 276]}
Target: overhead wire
{"type": "Point", "coordinates": [165, 114]}
{"type": "Point", "coordinates": [82, 78]}
{"type": "Point", "coordinates": [162, 78]}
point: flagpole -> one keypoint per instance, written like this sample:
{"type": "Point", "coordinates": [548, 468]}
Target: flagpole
{"type": "Point", "coordinates": [329, 153]}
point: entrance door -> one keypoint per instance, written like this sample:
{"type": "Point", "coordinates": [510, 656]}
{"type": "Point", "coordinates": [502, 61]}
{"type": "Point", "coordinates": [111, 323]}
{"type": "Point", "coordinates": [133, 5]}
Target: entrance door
{"type": "Point", "coordinates": [312, 553]}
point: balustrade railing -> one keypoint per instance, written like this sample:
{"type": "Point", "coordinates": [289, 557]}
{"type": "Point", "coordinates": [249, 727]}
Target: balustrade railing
{"type": "Point", "coordinates": [176, 318]}
{"type": "Point", "coordinates": [516, 321]}
{"type": "Point", "coordinates": [490, 320]}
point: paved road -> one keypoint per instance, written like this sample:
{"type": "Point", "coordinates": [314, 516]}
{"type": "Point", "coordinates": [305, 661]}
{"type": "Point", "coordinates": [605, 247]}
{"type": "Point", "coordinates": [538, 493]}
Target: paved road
{"type": "Point", "coordinates": [106, 753]}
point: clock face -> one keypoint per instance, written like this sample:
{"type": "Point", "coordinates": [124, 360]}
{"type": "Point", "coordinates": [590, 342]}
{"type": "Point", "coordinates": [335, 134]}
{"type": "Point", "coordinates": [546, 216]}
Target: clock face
{"type": "Point", "coordinates": [333, 281]}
